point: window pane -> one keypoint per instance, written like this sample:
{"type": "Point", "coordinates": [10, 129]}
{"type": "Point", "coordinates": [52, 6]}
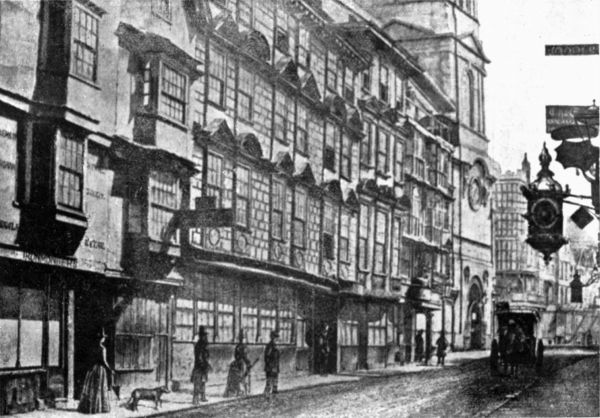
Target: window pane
{"type": "Point", "coordinates": [173, 97]}
{"type": "Point", "coordinates": [32, 316]}
{"type": "Point", "coordinates": [85, 44]}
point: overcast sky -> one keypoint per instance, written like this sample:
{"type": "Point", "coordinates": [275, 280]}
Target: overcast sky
{"type": "Point", "coordinates": [521, 80]}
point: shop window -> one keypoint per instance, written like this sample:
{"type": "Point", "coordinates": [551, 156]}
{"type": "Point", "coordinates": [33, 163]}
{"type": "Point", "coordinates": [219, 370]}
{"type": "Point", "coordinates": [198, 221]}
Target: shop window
{"type": "Point", "coordinates": [164, 201]}
{"type": "Point", "coordinates": [300, 213]}
{"type": "Point", "coordinates": [331, 136]}
{"type": "Point", "coordinates": [184, 320]}
{"type": "Point", "coordinates": [328, 231]}
{"type": "Point", "coordinates": [85, 43]}
{"type": "Point", "coordinates": [377, 330]}
{"type": "Point", "coordinates": [349, 333]}
{"type": "Point", "coordinates": [346, 157]}
{"type": "Point", "coordinates": [250, 313]}
{"type": "Point", "coordinates": [242, 204]}
{"type": "Point", "coordinates": [381, 220]}
{"type": "Point", "coordinates": [301, 330]}
{"type": "Point", "coordinates": [344, 237]}
{"type": "Point", "coordinates": [302, 130]}
{"type": "Point", "coordinates": [278, 199]}
{"type": "Point", "coordinates": [217, 70]}
{"type": "Point", "coordinates": [363, 237]}
{"type": "Point", "coordinates": [70, 172]}
{"type": "Point", "coordinates": [245, 94]}
{"type": "Point", "coordinates": [225, 313]}
{"type": "Point", "coordinates": [286, 316]}
{"type": "Point", "coordinates": [268, 313]}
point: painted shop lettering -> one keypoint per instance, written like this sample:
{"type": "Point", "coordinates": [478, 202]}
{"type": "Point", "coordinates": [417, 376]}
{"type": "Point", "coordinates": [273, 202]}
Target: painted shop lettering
{"type": "Point", "coordinates": [91, 243]}
{"type": "Point", "coordinates": [94, 193]}
{"type": "Point", "coordinates": [11, 226]}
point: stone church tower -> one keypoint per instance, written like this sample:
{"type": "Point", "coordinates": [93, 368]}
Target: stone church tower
{"type": "Point", "coordinates": [444, 36]}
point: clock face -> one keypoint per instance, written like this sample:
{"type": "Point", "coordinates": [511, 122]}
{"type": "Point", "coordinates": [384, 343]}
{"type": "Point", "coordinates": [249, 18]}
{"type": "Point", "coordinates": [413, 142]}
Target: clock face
{"type": "Point", "coordinates": [544, 213]}
{"type": "Point", "coordinates": [475, 193]}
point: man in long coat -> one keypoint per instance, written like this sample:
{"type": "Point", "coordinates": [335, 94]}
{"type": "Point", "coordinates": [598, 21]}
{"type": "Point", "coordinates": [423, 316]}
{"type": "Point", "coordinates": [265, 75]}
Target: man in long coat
{"type": "Point", "coordinates": [272, 364]}
{"type": "Point", "coordinates": [201, 366]}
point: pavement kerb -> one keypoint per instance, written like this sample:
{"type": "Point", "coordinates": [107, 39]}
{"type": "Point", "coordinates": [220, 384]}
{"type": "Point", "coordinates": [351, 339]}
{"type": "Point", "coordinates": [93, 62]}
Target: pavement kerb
{"type": "Point", "coordinates": [360, 376]}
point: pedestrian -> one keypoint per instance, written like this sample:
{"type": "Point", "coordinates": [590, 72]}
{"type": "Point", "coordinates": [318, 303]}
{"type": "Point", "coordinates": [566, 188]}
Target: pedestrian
{"type": "Point", "coordinates": [201, 366]}
{"type": "Point", "coordinates": [441, 345]}
{"type": "Point", "coordinates": [272, 364]}
{"type": "Point", "coordinates": [428, 349]}
{"type": "Point", "coordinates": [94, 397]}
{"type": "Point", "coordinates": [419, 346]}
{"type": "Point", "coordinates": [238, 370]}
{"type": "Point", "coordinates": [324, 350]}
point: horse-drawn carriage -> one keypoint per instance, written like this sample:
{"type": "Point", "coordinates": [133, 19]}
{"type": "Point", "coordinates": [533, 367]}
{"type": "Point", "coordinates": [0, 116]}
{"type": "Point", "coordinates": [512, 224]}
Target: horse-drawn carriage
{"type": "Point", "coordinates": [516, 344]}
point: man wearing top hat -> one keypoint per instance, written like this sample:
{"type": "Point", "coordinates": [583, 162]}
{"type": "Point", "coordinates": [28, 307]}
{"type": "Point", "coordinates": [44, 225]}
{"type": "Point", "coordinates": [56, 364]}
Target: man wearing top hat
{"type": "Point", "coordinates": [201, 366]}
{"type": "Point", "coordinates": [272, 364]}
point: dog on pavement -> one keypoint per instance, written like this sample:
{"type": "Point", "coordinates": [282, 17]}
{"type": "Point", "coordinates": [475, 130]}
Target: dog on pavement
{"type": "Point", "coordinates": [147, 395]}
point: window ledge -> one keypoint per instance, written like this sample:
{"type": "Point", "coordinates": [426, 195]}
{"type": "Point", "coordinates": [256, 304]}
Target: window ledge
{"type": "Point", "coordinates": [92, 84]}
{"type": "Point", "coordinates": [347, 178]}
{"type": "Point", "coordinates": [282, 141]}
{"type": "Point", "coordinates": [217, 105]}
{"type": "Point", "coordinates": [135, 369]}
{"type": "Point", "coordinates": [162, 118]}
{"type": "Point", "coordinates": [243, 229]}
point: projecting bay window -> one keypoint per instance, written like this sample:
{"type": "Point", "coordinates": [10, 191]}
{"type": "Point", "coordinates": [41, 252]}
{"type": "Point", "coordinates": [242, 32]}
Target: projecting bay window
{"type": "Point", "coordinates": [173, 94]}
{"type": "Point", "coordinates": [332, 71]}
{"type": "Point", "coordinates": [303, 47]}
{"type": "Point", "coordinates": [70, 172]}
{"type": "Point", "coordinates": [344, 240]}
{"type": "Point", "coordinates": [84, 61]}
{"type": "Point", "coordinates": [384, 84]}
{"type": "Point", "coordinates": [363, 237]}
{"type": "Point", "coordinates": [346, 157]}
{"type": "Point", "coordinates": [383, 143]}
{"type": "Point", "coordinates": [331, 137]}
{"type": "Point", "coordinates": [217, 70]}
{"type": "Point", "coordinates": [214, 178]}
{"type": "Point", "coordinates": [245, 94]}
{"type": "Point", "coordinates": [165, 198]}
{"type": "Point", "coordinates": [278, 199]}
{"type": "Point", "coordinates": [381, 224]}
{"type": "Point", "coordinates": [366, 145]}
{"type": "Point", "coordinates": [399, 161]}
{"type": "Point", "coordinates": [302, 130]}
{"type": "Point", "coordinates": [242, 204]}
{"type": "Point", "coordinates": [328, 231]}
{"type": "Point", "coordinates": [283, 117]}
{"type": "Point", "coordinates": [396, 253]}
{"type": "Point", "coordinates": [300, 216]}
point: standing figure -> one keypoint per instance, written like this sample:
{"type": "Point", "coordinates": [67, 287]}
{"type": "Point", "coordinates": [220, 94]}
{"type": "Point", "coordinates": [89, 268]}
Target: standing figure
{"type": "Point", "coordinates": [94, 397]}
{"type": "Point", "coordinates": [272, 364]}
{"type": "Point", "coordinates": [503, 347]}
{"type": "Point", "coordinates": [441, 344]}
{"type": "Point", "coordinates": [428, 350]}
{"type": "Point", "coordinates": [324, 350]}
{"type": "Point", "coordinates": [201, 366]}
{"type": "Point", "coordinates": [419, 346]}
{"type": "Point", "coordinates": [239, 369]}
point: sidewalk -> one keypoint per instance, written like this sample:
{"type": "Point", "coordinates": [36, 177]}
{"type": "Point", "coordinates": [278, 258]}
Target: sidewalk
{"type": "Point", "coordinates": [182, 400]}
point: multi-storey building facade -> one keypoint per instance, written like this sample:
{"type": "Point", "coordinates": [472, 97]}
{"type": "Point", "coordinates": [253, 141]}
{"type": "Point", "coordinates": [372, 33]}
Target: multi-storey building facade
{"type": "Point", "coordinates": [445, 37]}
{"type": "Point", "coordinates": [527, 283]}
{"type": "Point", "coordinates": [124, 124]}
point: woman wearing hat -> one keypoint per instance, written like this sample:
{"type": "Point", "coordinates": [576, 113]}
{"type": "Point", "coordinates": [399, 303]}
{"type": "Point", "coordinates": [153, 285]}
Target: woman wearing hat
{"type": "Point", "coordinates": [201, 366]}
{"type": "Point", "coordinates": [238, 369]}
{"type": "Point", "coordinates": [94, 397]}
{"type": "Point", "coordinates": [272, 364]}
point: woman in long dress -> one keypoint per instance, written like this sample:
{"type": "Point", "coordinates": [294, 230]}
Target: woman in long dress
{"type": "Point", "coordinates": [238, 370]}
{"type": "Point", "coordinates": [94, 397]}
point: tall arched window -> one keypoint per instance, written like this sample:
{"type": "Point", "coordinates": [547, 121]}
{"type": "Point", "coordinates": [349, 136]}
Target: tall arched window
{"type": "Point", "coordinates": [472, 98]}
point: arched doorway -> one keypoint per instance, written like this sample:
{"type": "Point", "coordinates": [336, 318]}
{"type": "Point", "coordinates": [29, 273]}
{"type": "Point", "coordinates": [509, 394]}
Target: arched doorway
{"type": "Point", "coordinates": [475, 316]}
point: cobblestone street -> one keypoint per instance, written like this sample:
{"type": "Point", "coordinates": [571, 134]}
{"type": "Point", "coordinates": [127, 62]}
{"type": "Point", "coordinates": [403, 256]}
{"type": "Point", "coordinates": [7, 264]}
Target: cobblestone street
{"type": "Point", "coordinates": [464, 390]}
